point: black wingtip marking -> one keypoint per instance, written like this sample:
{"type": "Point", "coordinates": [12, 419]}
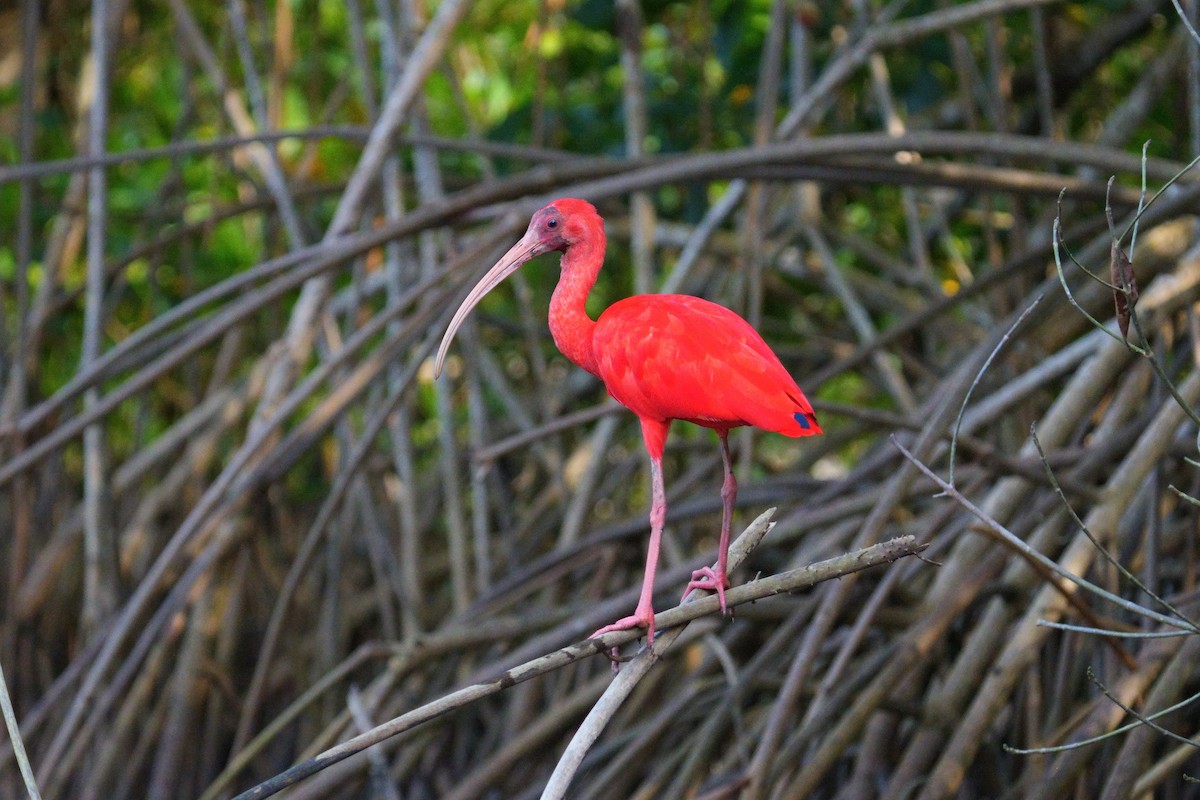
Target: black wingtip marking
{"type": "Point", "coordinates": [802, 418]}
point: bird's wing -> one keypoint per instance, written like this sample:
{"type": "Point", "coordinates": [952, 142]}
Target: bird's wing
{"type": "Point", "coordinates": [681, 357]}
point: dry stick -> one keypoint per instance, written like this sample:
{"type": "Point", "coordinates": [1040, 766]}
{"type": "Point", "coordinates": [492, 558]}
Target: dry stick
{"type": "Point", "coordinates": [1021, 546]}
{"type": "Point", "coordinates": [821, 704]}
{"type": "Point", "coordinates": [268, 159]}
{"type": "Point", "coordinates": [782, 638]}
{"type": "Point", "coordinates": [478, 424]}
{"type": "Point", "coordinates": [785, 582]}
{"type": "Point", "coordinates": [1169, 766]}
{"type": "Point", "coordinates": [396, 274]}
{"type": "Point", "coordinates": [175, 738]}
{"type": "Point", "coordinates": [155, 329]}
{"type": "Point", "coordinates": [580, 503]}
{"type": "Point", "coordinates": [100, 591]}
{"type": "Point", "coordinates": [454, 638]}
{"type": "Point", "coordinates": [1018, 387]}
{"type": "Point", "coordinates": [520, 440]}
{"type": "Point", "coordinates": [66, 223]}
{"type": "Point", "coordinates": [14, 391]}
{"type": "Point", "coordinates": [881, 87]}
{"type": "Point", "coordinates": [262, 157]}
{"type": "Point", "coordinates": [220, 144]}
{"type": "Point", "coordinates": [1122, 710]}
{"type": "Point", "coordinates": [344, 773]}
{"type": "Point", "coordinates": [429, 188]}
{"type": "Point", "coordinates": [1187, 22]}
{"type": "Point", "coordinates": [620, 770]}
{"type": "Point", "coordinates": [861, 322]}
{"type": "Point", "coordinates": [801, 110]}
{"type": "Point", "coordinates": [1193, 87]}
{"type": "Point", "coordinates": [362, 61]}
{"type": "Point", "coordinates": [132, 735]}
{"type": "Point", "coordinates": [492, 374]}
{"type": "Point", "coordinates": [380, 781]}
{"type": "Point", "coordinates": [731, 163]}
{"type": "Point", "coordinates": [1041, 72]}
{"type": "Point", "coordinates": [629, 31]}
{"type": "Point", "coordinates": [13, 399]}
{"type": "Point", "coordinates": [970, 86]}
{"type": "Point", "coordinates": [698, 754]}
{"type": "Point", "coordinates": [533, 740]}
{"type": "Point", "coordinates": [298, 440]}
{"type": "Point", "coordinates": [1100, 547]}
{"type": "Point", "coordinates": [1125, 120]}
{"type": "Point", "coordinates": [754, 223]}
{"type": "Point", "coordinates": [18, 744]}
{"type": "Point", "coordinates": [532, 324]}
{"type": "Point", "coordinates": [418, 66]}
{"type": "Point", "coordinates": [46, 703]}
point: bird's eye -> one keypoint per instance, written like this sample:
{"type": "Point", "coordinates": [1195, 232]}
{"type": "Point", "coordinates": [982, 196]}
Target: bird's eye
{"type": "Point", "coordinates": [552, 223]}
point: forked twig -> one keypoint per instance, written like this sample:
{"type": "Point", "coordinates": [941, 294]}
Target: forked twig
{"type": "Point", "coordinates": [979, 376]}
{"type": "Point", "coordinates": [1110, 734]}
{"type": "Point", "coordinates": [1021, 546]}
{"type": "Point", "coordinates": [1095, 543]}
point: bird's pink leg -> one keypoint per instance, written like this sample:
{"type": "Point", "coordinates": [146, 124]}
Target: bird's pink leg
{"type": "Point", "coordinates": [717, 580]}
{"type": "Point", "coordinates": [643, 615]}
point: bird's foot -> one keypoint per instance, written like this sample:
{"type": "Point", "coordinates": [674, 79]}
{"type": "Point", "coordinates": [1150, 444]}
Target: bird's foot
{"type": "Point", "coordinates": [638, 619]}
{"type": "Point", "coordinates": [642, 618]}
{"type": "Point", "coordinates": [710, 580]}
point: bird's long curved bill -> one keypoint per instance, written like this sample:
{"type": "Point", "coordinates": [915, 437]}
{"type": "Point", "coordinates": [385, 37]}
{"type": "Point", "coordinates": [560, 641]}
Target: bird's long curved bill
{"type": "Point", "coordinates": [528, 247]}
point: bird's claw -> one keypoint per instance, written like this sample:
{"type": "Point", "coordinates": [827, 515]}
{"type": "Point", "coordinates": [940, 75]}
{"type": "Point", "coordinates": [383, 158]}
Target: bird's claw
{"type": "Point", "coordinates": [710, 580]}
{"type": "Point", "coordinates": [634, 620]}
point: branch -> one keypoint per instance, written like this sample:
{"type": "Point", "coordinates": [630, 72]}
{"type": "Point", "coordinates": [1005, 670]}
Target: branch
{"type": "Point", "coordinates": [790, 581]}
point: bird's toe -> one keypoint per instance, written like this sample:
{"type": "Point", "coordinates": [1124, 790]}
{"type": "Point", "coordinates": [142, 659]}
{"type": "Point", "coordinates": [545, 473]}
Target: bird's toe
{"type": "Point", "coordinates": [709, 580]}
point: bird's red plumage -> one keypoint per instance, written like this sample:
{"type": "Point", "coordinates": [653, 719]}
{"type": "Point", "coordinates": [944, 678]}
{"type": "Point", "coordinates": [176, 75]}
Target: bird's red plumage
{"type": "Point", "coordinates": [671, 356]}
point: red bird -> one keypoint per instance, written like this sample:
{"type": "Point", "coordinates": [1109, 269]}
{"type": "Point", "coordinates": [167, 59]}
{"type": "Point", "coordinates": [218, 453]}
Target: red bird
{"type": "Point", "coordinates": [662, 356]}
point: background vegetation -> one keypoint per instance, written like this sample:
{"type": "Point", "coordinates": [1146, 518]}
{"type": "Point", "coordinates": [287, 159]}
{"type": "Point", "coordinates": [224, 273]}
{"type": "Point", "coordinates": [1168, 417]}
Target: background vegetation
{"type": "Point", "coordinates": [244, 524]}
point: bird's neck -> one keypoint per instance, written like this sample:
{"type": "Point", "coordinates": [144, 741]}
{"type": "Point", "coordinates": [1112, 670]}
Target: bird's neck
{"type": "Point", "coordinates": [570, 325]}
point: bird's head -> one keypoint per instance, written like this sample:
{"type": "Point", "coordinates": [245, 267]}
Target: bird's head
{"type": "Point", "coordinates": [563, 223]}
{"type": "Point", "coordinates": [557, 226]}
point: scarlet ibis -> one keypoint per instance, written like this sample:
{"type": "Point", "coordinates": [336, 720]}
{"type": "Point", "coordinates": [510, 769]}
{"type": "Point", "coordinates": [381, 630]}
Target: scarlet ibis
{"type": "Point", "coordinates": [662, 356]}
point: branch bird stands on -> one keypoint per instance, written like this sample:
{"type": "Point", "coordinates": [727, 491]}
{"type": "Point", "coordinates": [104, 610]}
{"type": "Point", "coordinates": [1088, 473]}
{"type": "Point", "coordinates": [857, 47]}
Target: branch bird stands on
{"type": "Point", "coordinates": [662, 356]}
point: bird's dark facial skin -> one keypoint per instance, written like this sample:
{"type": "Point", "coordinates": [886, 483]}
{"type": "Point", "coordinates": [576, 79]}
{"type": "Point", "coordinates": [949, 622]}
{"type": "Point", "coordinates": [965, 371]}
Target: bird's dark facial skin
{"type": "Point", "coordinates": [551, 228]}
